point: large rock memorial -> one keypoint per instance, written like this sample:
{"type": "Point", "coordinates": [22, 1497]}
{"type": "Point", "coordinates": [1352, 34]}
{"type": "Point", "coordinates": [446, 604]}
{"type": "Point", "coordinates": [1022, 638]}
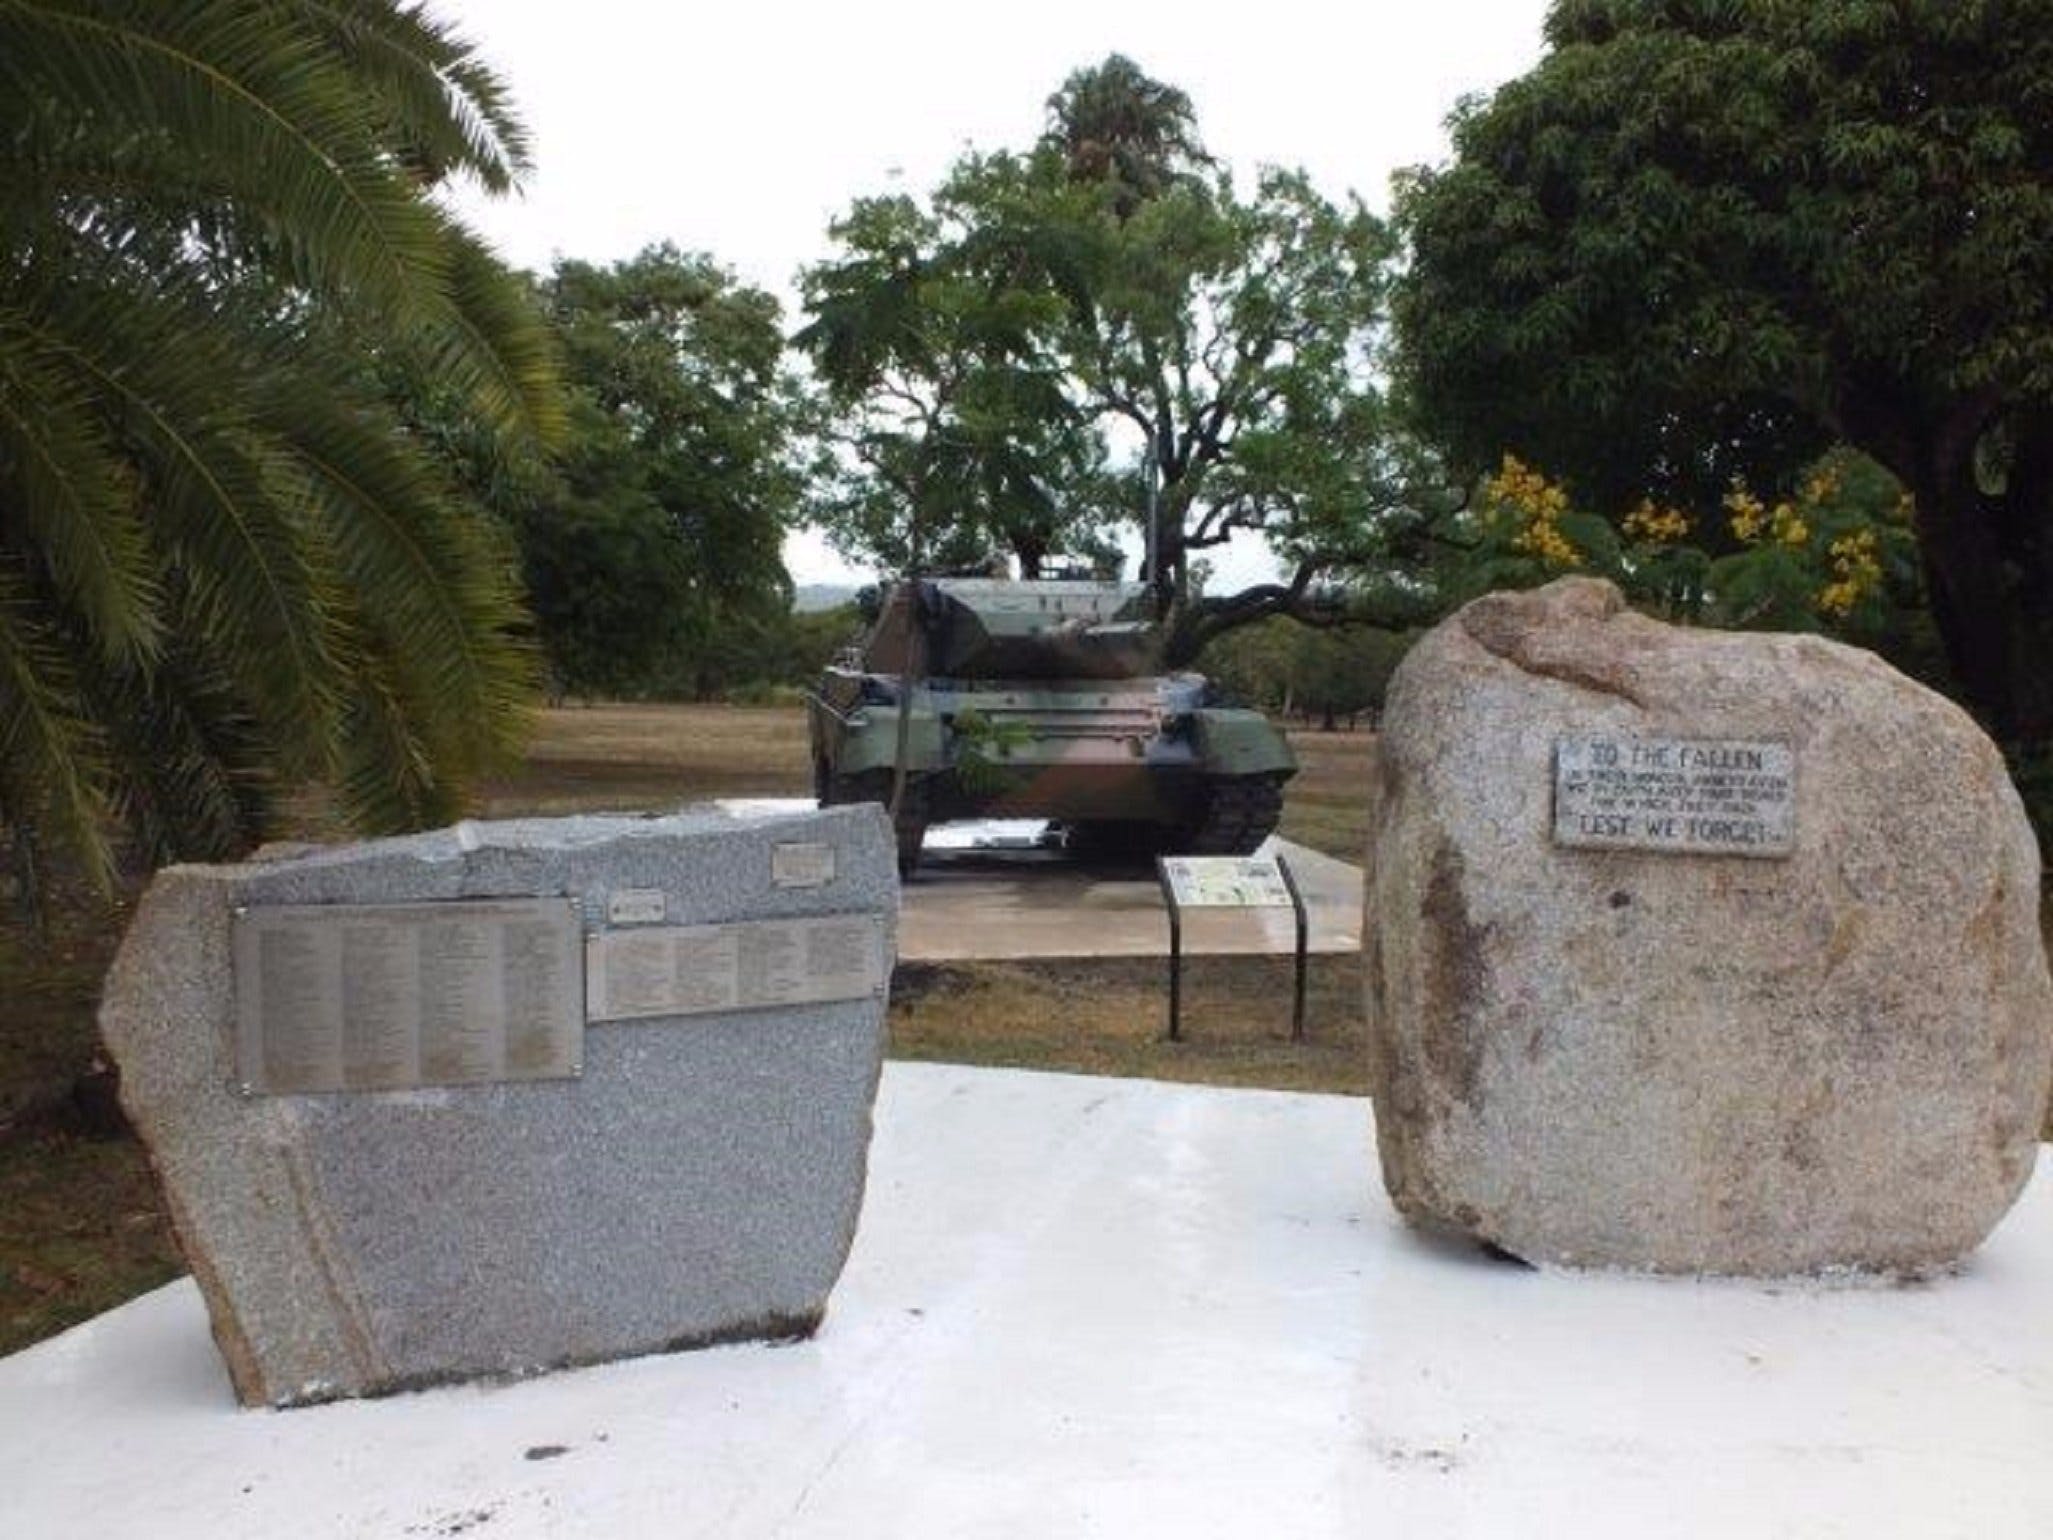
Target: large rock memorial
{"type": "Point", "coordinates": [1697, 952]}
{"type": "Point", "coordinates": [511, 1096]}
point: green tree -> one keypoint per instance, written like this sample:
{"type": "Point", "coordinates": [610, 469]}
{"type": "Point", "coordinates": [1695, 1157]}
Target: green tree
{"type": "Point", "coordinates": [223, 564]}
{"type": "Point", "coordinates": [1704, 240]}
{"type": "Point", "coordinates": [662, 532]}
{"type": "Point", "coordinates": [956, 441]}
{"type": "Point", "coordinates": [1218, 348]}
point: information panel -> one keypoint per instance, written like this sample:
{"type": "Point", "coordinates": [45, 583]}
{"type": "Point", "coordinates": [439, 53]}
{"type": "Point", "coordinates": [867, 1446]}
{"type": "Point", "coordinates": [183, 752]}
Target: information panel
{"type": "Point", "coordinates": [689, 970]}
{"type": "Point", "coordinates": [1226, 882]}
{"type": "Point", "coordinates": [1683, 796]}
{"type": "Point", "coordinates": [377, 997]}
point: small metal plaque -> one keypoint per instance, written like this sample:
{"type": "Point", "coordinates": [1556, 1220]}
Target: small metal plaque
{"type": "Point", "coordinates": [636, 906]}
{"type": "Point", "coordinates": [1227, 882]}
{"type": "Point", "coordinates": [379, 997]}
{"type": "Point", "coordinates": [1712, 796]}
{"type": "Point", "coordinates": [689, 970]}
{"type": "Point", "coordinates": [801, 864]}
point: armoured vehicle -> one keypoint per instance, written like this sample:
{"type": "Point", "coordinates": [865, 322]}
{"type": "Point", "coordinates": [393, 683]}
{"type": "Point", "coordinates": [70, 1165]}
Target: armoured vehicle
{"type": "Point", "coordinates": [1040, 700]}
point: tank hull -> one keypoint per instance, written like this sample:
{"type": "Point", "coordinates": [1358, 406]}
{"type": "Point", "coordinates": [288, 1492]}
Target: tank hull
{"type": "Point", "coordinates": [1123, 759]}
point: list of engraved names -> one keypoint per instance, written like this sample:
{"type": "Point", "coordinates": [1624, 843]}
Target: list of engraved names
{"type": "Point", "coordinates": [687, 970]}
{"type": "Point", "coordinates": [355, 997]}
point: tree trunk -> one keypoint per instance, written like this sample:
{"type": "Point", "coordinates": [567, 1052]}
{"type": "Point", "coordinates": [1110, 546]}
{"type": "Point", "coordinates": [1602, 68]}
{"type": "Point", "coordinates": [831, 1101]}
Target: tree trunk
{"type": "Point", "coordinates": [1030, 551]}
{"type": "Point", "coordinates": [1989, 576]}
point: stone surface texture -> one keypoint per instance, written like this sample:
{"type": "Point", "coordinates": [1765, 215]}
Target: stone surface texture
{"type": "Point", "coordinates": [700, 1183]}
{"type": "Point", "coordinates": [1689, 1063]}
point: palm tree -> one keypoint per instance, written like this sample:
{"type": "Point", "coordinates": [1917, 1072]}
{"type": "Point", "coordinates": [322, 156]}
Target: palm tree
{"type": "Point", "coordinates": [1114, 123]}
{"type": "Point", "coordinates": [225, 566]}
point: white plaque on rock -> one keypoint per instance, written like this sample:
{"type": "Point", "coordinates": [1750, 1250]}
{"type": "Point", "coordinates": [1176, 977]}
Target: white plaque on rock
{"type": "Point", "coordinates": [690, 970]}
{"type": "Point", "coordinates": [1685, 796]}
{"type": "Point", "coordinates": [801, 864]}
{"type": "Point", "coordinates": [374, 997]}
{"type": "Point", "coordinates": [636, 906]}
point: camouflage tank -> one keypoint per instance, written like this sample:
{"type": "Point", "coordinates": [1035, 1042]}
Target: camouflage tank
{"type": "Point", "coordinates": [1041, 700]}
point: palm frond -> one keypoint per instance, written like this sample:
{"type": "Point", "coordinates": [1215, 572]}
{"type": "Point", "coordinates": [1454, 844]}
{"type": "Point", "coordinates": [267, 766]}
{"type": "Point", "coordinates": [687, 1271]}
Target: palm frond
{"type": "Point", "coordinates": [68, 495]}
{"type": "Point", "coordinates": [262, 109]}
{"type": "Point", "coordinates": [438, 579]}
{"type": "Point", "coordinates": [445, 104]}
{"type": "Point", "coordinates": [490, 343]}
{"type": "Point", "coordinates": [53, 775]}
{"type": "Point", "coordinates": [226, 567]}
{"type": "Point", "coordinates": [172, 388]}
{"type": "Point", "coordinates": [189, 762]}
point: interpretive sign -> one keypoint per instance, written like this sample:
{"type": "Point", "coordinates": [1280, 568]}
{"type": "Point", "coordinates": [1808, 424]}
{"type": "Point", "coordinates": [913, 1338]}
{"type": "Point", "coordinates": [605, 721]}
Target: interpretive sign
{"type": "Point", "coordinates": [1684, 796]}
{"type": "Point", "coordinates": [1226, 882]}
{"type": "Point", "coordinates": [690, 970]}
{"type": "Point", "coordinates": [376, 997]}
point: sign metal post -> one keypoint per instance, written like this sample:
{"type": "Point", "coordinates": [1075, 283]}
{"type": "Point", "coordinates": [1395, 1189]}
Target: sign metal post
{"type": "Point", "coordinates": [1228, 882]}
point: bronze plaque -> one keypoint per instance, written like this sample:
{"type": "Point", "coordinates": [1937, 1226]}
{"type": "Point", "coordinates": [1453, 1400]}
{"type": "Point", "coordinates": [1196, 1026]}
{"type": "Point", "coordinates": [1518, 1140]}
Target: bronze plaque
{"type": "Point", "coordinates": [1683, 796]}
{"type": "Point", "coordinates": [383, 997]}
{"type": "Point", "coordinates": [690, 970]}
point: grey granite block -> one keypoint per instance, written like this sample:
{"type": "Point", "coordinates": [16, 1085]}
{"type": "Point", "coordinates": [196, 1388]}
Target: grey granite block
{"type": "Point", "coordinates": [699, 1183]}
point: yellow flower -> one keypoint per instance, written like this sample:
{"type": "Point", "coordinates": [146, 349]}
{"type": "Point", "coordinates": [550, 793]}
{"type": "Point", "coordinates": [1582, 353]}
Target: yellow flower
{"type": "Point", "coordinates": [1822, 487]}
{"type": "Point", "coordinates": [1656, 526]}
{"type": "Point", "coordinates": [1523, 501]}
{"type": "Point", "coordinates": [1857, 572]}
{"type": "Point", "coordinates": [1748, 516]}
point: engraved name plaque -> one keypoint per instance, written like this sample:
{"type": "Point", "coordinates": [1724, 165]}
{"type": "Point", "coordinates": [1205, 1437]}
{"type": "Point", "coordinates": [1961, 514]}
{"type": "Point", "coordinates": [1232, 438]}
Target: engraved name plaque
{"type": "Point", "coordinates": [378, 997]}
{"type": "Point", "coordinates": [1679, 795]}
{"type": "Point", "coordinates": [689, 970]}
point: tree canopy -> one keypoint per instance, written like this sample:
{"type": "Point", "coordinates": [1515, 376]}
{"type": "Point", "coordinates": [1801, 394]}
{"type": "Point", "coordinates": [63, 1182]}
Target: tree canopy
{"type": "Point", "coordinates": [1706, 239]}
{"type": "Point", "coordinates": [1105, 313]}
{"type": "Point", "coordinates": [222, 562]}
{"type": "Point", "coordinates": [663, 525]}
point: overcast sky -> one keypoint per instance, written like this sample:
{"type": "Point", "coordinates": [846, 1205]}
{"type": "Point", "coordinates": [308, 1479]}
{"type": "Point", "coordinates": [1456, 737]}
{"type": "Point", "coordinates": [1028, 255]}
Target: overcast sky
{"type": "Point", "coordinates": [742, 129]}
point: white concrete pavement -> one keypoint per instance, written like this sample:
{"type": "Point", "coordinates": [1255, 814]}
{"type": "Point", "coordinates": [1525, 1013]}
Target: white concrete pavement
{"type": "Point", "coordinates": [992, 890]}
{"type": "Point", "coordinates": [970, 903]}
{"type": "Point", "coordinates": [1117, 1308]}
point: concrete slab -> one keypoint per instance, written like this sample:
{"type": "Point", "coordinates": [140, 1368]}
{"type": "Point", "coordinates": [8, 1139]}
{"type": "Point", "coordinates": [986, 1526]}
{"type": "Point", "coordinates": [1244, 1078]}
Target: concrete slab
{"type": "Point", "coordinates": [1103, 1307]}
{"type": "Point", "coordinates": [993, 890]}
{"type": "Point", "coordinates": [971, 902]}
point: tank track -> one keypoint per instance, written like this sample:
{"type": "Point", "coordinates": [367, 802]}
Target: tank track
{"type": "Point", "coordinates": [1238, 816]}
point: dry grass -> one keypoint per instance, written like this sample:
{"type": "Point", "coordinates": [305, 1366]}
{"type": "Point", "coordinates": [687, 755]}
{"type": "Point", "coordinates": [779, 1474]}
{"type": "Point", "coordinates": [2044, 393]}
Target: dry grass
{"type": "Point", "coordinates": [637, 757]}
{"type": "Point", "coordinates": [1326, 804]}
{"type": "Point", "coordinates": [1109, 1016]}
{"type": "Point", "coordinates": [81, 1230]}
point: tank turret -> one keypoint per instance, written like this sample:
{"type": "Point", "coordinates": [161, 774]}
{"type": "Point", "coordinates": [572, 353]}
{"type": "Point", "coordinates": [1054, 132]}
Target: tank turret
{"type": "Point", "coordinates": [989, 628]}
{"type": "Point", "coordinates": [1042, 699]}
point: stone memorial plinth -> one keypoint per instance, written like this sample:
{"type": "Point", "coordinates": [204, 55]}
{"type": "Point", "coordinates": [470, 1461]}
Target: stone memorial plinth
{"type": "Point", "coordinates": [1697, 952]}
{"type": "Point", "coordinates": [511, 1096]}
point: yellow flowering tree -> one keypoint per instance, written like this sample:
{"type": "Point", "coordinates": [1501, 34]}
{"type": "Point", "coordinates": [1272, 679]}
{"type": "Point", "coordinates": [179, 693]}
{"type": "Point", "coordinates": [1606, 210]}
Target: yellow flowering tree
{"type": "Point", "coordinates": [1527, 530]}
{"type": "Point", "coordinates": [1837, 554]}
